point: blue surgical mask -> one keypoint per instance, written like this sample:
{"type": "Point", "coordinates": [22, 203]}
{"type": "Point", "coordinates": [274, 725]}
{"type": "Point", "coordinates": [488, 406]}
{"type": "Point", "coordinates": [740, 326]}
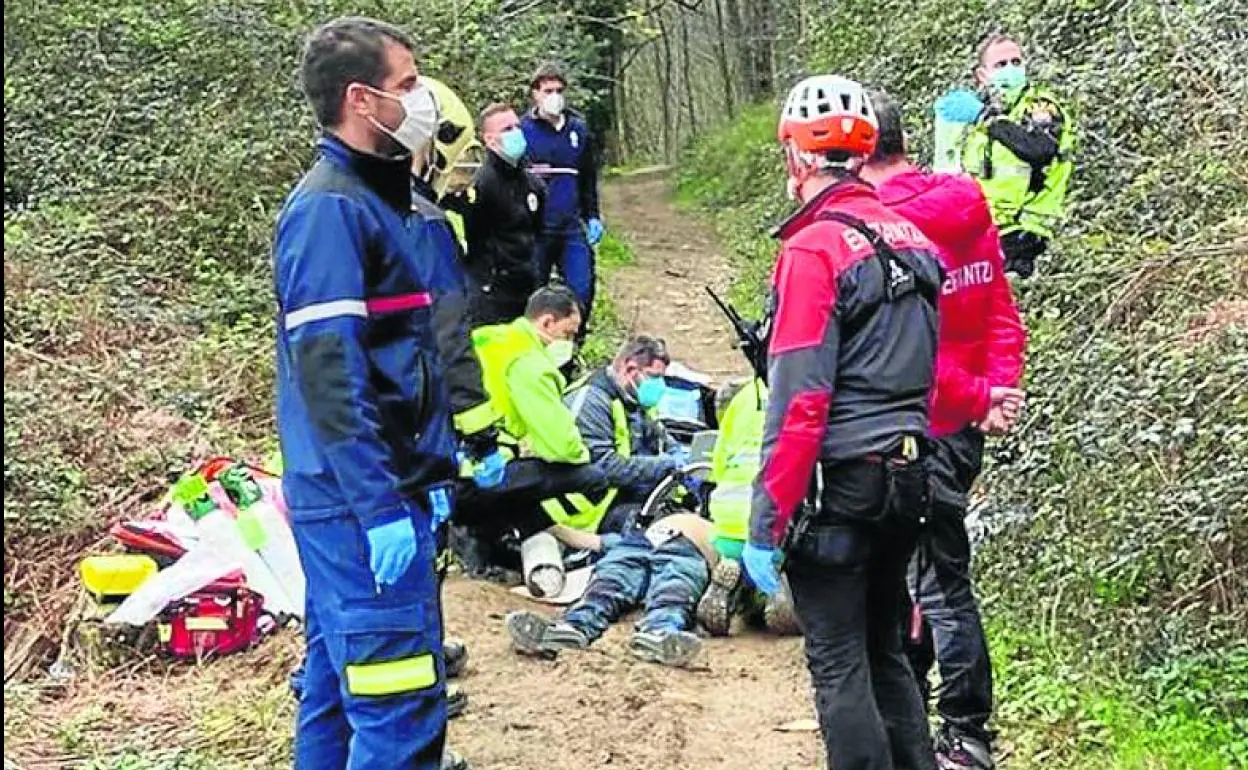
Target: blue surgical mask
{"type": "Point", "coordinates": [650, 392]}
{"type": "Point", "coordinates": [1009, 80]}
{"type": "Point", "coordinates": [511, 145]}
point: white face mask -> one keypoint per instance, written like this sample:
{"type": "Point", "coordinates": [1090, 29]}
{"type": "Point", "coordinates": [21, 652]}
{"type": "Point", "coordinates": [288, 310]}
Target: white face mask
{"type": "Point", "coordinates": [553, 104]}
{"type": "Point", "coordinates": [560, 352]}
{"type": "Point", "coordinates": [420, 119]}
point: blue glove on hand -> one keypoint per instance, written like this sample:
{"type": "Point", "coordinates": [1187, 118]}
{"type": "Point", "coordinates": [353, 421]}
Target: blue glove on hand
{"type": "Point", "coordinates": [609, 541]}
{"type": "Point", "coordinates": [593, 231]}
{"type": "Point", "coordinates": [490, 471]}
{"type": "Point", "coordinates": [391, 548]}
{"type": "Point", "coordinates": [692, 484]}
{"type": "Point", "coordinates": [760, 565]}
{"type": "Point", "coordinates": [959, 106]}
{"type": "Point", "coordinates": [439, 507]}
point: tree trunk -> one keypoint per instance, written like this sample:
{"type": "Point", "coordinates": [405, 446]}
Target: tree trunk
{"type": "Point", "coordinates": [725, 67]}
{"type": "Point", "coordinates": [667, 90]}
{"type": "Point", "coordinates": [603, 117]}
{"type": "Point", "coordinates": [665, 99]}
{"type": "Point", "coordinates": [745, 61]}
{"type": "Point", "coordinates": [761, 34]}
{"type": "Point", "coordinates": [685, 53]}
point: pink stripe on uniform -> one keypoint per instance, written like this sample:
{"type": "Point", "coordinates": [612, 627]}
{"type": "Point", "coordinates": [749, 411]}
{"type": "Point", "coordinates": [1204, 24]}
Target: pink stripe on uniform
{"type": "Point", "coordinates": [400, 302]}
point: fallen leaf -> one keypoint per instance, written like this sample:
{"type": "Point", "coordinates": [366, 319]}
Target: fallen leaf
{"type": "Point", "coordinates": [798, 726]}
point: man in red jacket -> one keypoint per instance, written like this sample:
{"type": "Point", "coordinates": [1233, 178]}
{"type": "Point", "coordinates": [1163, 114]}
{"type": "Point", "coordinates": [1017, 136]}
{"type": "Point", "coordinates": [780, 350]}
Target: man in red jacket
{"type": "Point", "coordinates": [851, 360]}
{"type": "Point", "coordinates": [979, 362]}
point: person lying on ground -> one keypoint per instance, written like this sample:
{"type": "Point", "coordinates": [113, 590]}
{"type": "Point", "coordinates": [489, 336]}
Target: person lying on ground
{"type": "Point", "coordinates": [612, 410]}
{"type": "Point", "coordinates": [663, 569]}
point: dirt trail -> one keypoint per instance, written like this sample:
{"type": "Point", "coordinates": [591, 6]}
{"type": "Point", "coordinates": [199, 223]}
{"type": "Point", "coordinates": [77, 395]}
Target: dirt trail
{"type": "Point", "coordinates": [603, 708]}
{"type": "Point", "coordinates": [676, 256]}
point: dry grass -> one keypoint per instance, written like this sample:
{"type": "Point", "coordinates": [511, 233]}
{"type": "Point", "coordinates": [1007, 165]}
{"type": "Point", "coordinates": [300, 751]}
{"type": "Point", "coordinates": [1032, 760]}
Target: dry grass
{"type": "Point", "coordinates": [236, 712]}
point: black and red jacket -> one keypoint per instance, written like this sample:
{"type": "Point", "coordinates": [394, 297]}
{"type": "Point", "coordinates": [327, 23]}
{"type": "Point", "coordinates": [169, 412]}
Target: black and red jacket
{"type": "Point", "coordinates": [849, 367]}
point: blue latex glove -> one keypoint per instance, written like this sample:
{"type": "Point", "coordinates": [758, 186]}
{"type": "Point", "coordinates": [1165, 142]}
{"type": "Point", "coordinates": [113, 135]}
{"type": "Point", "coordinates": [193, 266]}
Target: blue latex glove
{"type": "Point", "coordinates": [760, 565]}
{"type": "Point", "coordinates": [692, 484]}
{"type": "Point", "coordinates": [391, 548]}
{"type": "Point", "coordinates": [490, 471]}
{"type": "Point", "coordinates": [439, 507]}
{"type": "Point", "coordinates": [593, 231]}
{"type": "Point", "coordinates": [959, 106]}
{"type": "Point", "coordinates": [610, 540]}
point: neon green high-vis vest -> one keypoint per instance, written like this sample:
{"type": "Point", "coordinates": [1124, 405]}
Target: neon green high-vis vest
{"type": "Point", "coordinates": [1006, 179]}
{"type": "Point", "coordinates": [735, 463]}
{"type": "Point", "coordinates": [576, 510]}
{"type": "Point", "coordinates": [498, 347]}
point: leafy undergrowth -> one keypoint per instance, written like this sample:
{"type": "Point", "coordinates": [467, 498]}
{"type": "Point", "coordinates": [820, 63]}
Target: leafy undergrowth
{"type": "Point", "coordinates": [608, 330]}
{"type": "Point", "coordinates": [1116, 522]}
{"type": "Point", "coordinates": [1056, 710]}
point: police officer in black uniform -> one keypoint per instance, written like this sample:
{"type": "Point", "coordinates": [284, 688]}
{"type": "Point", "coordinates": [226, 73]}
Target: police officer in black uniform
{"type": "Point", "coordinates": [502, 220]}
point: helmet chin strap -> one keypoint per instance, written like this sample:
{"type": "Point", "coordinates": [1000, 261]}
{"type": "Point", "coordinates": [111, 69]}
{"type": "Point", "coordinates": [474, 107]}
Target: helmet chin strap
{"type": "Point", "coordinates": [799, 171]}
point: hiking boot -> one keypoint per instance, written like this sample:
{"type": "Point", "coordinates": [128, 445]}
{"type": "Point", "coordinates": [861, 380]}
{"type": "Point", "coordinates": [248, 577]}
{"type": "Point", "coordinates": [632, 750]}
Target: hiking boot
{"type": "Point", "coordinates": [453, 761]}
{"type": "Point", "coordinates": [455, 657]}
{"type": "Point", "coordinates": [670, 648]}
{"type": "Point", "coordinates": [955, 751]}
{"type": "Point", "coordinates": [561, 636]}
{"type": "Point", "coordinates": [456, 701]}
{"type": "Point", "coordinates": [779, 617]}
{"type": "Point", "coordinates": [527, 631]}
{"type": "Point", "coordinates": [722, 597]}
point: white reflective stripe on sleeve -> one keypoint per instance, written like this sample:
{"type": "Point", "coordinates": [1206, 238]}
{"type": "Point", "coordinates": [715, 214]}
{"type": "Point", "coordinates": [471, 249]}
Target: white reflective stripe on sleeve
{"type": "Point", "coordinates": [549, 170]}
{"type": "Point", "coordinates": [324, 310]}
{"type": "Point", "coordinates": [578, 402]}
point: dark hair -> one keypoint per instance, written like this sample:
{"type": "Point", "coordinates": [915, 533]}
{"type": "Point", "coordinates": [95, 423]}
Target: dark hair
{"type": "Point", "coordinates": [991, 39]}
{"type": "Point", "coordinates": [489, 112]}
{"type": "Point", "coordinates": [347, 50]}
{"type": "Point", "coordinates": [548, 71]}
{"type": "Point", "coordinates": [558, 301]}
{"type": "Point", "coordinates": [892, 141]}
{"type": "Point", "coordinates": [644, 351]}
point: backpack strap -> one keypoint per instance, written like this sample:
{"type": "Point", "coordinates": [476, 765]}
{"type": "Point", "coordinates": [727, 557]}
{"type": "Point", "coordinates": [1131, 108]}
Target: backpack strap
{"type": "Point", "coordinates": [884, 254]}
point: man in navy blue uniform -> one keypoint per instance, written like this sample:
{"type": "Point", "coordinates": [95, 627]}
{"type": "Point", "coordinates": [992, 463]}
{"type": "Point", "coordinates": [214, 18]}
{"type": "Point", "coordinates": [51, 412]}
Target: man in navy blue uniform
{"type": "Point", "coordinates": [363, 412]}
{"type": "Point", "coordinates": [561, 152]}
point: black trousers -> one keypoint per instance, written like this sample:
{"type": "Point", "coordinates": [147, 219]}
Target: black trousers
{"type": "Point", "coordinates": [847, 576]}
{"type": "Point", "coordinates": [501, 297]}
{"type": "Point", "coordinates": [515, 506]}
{"type": "Point", "coordinates": [1021, 250]}
{"type": "Point", "coordinates": [953, 632]}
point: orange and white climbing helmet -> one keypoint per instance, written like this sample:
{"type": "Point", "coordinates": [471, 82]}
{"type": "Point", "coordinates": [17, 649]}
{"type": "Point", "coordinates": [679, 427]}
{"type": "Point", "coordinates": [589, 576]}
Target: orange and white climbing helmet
{"type": "Point", "coordinates": [829, 113]}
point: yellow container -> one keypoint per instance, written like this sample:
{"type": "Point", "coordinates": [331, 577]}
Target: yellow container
{"type": "Point", "coordinates": [117, 575]}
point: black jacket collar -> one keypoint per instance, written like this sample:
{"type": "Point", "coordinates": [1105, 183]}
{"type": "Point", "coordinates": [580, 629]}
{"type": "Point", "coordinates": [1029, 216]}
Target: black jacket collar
{"type": "Point", "coordinates": [390, 178]}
